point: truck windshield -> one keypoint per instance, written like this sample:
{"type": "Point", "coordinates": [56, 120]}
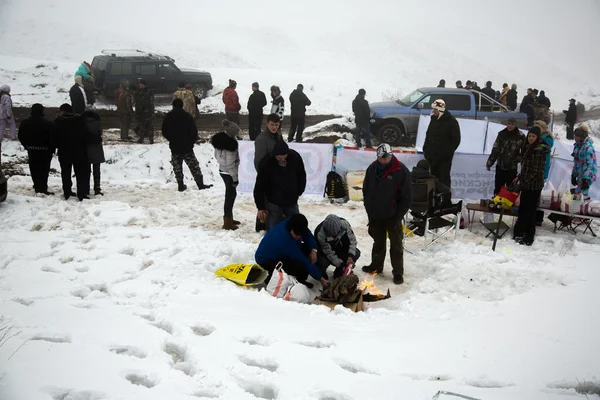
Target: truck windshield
{"type": "Point", "coordinates": [411, 98]}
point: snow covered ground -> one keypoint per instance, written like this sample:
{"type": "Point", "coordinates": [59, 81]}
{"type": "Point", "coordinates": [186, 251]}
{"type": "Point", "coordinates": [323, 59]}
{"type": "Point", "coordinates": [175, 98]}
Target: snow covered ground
{"type": "Point", "coordinates": [116, 298]}
{"type": "Point", "coordinates": [334, 48]}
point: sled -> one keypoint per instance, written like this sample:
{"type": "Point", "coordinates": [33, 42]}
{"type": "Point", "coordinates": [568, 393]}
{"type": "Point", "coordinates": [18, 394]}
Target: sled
{"type": "Point", "coordinates": [243, 274]}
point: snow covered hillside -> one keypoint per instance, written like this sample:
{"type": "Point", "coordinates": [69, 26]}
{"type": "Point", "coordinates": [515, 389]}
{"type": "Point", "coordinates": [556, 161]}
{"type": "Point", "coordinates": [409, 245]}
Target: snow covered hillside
{"type": "Point", "coordinates": [116, 298]}
{"type": "Point", "coordinates": [333, 47]}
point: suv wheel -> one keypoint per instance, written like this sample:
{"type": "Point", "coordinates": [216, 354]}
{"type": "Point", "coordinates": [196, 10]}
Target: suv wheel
{"type": "Point", "coordinates": [393, 133]}
{"type": "Point", "coordinates": [200, 91]}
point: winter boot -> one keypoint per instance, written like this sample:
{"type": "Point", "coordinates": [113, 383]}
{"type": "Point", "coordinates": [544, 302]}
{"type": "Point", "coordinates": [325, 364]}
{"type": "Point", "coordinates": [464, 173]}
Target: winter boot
{"type": "Point", "coordinates": [398, 279]}
{"type": "Point", "coordinates": [201, 185]}
{"type": "Point", "coordinates": [236, 222]}
{"type": "Point", "coordinates": [371, 269]}
{"type": "Point", "coordinates": [69, 194]}
{"type": "Point", "coordinates": [181, 186]}
{"type": "Point", "coordinates": [228, 224]}
{"type": "Point", "coordinates": [98, 191]}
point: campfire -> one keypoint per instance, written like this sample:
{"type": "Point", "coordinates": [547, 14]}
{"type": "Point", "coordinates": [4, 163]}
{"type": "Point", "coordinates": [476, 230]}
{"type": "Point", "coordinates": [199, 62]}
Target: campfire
{"type": "Point", "coordinates": [371, 291]}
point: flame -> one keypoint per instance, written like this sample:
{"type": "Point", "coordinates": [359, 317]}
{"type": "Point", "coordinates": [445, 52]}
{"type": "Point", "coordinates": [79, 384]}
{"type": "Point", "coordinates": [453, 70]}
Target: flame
{"type": "Point", "coordinates": [369, 286]}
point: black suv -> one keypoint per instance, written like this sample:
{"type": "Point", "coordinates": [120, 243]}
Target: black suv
{"type": "Point", "coordinates": [160, 72]}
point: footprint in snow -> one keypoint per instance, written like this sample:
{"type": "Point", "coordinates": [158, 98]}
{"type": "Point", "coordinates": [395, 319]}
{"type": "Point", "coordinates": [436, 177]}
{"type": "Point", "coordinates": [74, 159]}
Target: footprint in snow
{"type": "Point", "coordinates": [140, 380]}
{"type": "Point", "coordinates": [260, 390]}
{"type": "Point", "coordinates": [486, 383]}
{"type": "Point", "coordinates": [317, 344]}
{"type": "Point", "coordinates": [256, 341]}
{"type": "Point", "coordinates": [163, 325]}
{"type": "Point", "coordinates": [354, 368]}
{"type": "Point", "coordinates": [24, 302]}
{"type": "Point", "coordinates": [128, 351]}
{"type": "Point", "coordinates": [327, 395]}
{"type": "Point", "coordinates": [52, 338]}
{"type": "Point", "coordinates": [203, 329]}
{"type": "Point", "coordinates": [269, 365]}
{"type": "Point", "coordinates": [72, 394]}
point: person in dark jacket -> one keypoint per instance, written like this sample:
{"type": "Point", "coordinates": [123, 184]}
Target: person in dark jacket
{"type": "Point", "coordinates": [442, 195]}
{"type": "Point", "coordinates": [293, 244]}
{"type": "Point", "coordinates": [580, 110]}
{"type": "Point", "coordinates": [531, 180]}
{"type": "Point", "coordinates": [265, 142]}
{"type": "Point", "coordinates": [37, 136]}
{"type": "Point", "coordinates": [570, 118]}
{"type": "Point", "coordinates": [124, 101]}
{"type": "Point", "coordinates": [144, 112]}
{"type": "Point", "coordinates": [511, 98]}
{"type": "Point", "coordinates": [387, 193]}
{"type": "Point", "coordinates": [95, 150]}
{"type": "Point", "coordinates": [543, 100]}
{"type": "Point", "coordinates": [179, 128]}
{"type": "Point", "coordinates": [256, 102]}
{"type": "Point", "coordinates": [362, 115]}
{"type": "Point", "coordinates": [507, 153]}
{"type": "Point", "coordinates": [72, 138]}
{"type": "Point", "coordinates": [441, 141]}
{"type": "Point", "coordinates": [279, 184]}
{"type": "Point", "coordinates": [298, 103]}
{"type": "Point", "coordinates": [488, 91]}
{"type": "Point", "coordinates": [459, 85]}
{"type": "Point", "coordinates": [442, 83]}
{"type": "Point", "coordinates": [476, 86]}
{"type": "Point", "coordinates": [78, 99]}
{"type": "Point", "coordinates": [336, 245]}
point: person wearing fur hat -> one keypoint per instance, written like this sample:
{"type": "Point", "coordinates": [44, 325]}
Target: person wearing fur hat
{"type": "Point", "coordinates": [6, 114]}
{"type": "Point", "coordinates": [336, 245]}
{"type": "Point", "coordinates": [570, 118]}
{"type": "Point", "coordinates": [278, 104]}
{"type": "Point", "coordinates": [256, 102]}
{"type": "Point", "coordinates": [584, 161]}
{"type": "Point", "coordinates": [441, 141]}
{"type": "Point", "coordinates": [531, 180]}
{"type": "Point", "coordinates": [279, 184]}
{"type": "Point", "coordinates": [37, 136]}
{"type": "Point", "coordinates": [228, 157]}
{"type": "Point", "coordinates": [232, 103]}
{"type": "Point", "coordinates": [507, 153]}
{"type": "Point", "coordinates": [179, 128]}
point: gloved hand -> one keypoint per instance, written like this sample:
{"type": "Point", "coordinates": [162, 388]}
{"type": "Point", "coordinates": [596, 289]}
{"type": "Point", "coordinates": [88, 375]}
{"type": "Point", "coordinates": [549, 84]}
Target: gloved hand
{"type": "Point", "coordinates": [235, 184]}
{"type": "Point", "coordinates": [574, 180]}
{"type": "Point", "coordinates": [488, 167]}
{"type": "Point", "coordinates": [585, 184]}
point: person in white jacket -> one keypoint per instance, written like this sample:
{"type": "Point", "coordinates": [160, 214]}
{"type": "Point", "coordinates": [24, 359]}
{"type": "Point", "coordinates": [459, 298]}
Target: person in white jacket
{"type": "Point", "coordinates": [228, 157]}
{"type": "Point", "coordinates": [6, 114]}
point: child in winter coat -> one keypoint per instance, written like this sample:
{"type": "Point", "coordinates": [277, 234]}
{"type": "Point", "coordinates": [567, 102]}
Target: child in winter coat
{"type": "Point", "coordinates": [584, 161]}
{"type": "Point", "coordinates": [6, 114]}
{"type": "Point", "coordinates": [228, 157]}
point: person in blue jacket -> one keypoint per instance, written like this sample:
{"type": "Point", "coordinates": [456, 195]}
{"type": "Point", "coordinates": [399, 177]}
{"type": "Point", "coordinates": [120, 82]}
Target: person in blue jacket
{"type": "Point", "coordinates": [292, 243]}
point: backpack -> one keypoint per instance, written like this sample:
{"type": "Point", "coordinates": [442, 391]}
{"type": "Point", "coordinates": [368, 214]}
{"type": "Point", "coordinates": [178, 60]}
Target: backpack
{"type": "Point", "coordinates": [335, 188]}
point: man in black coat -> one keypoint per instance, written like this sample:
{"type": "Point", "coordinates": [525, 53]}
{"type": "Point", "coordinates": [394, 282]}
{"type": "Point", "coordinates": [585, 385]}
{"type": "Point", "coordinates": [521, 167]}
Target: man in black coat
{"type": "Point", "coordinates": [362, 115]}
{"type": "Point", "coordinates": [37, 136]}
{"type": "Point", "coordinates": [511, 98]}
{"type": "Point", "coordinates": [387, 193]}
{"type": "Point", "coordinates": [95, 150]}
{"type": "Point", "coordinates": [543, 100]}
{"type": "Point", "coordinates": [488, 90]}
{"type": "Point", "coordinates": [256, 103]}
{"type": "Point", "coordinates": [179, 128]}
{"type": "Point", "coordinates": [279, 184]}
{"type": "Point", "coordinates": [78, 99]}
{"type": "Point", "coordinates": [72, 138]}
{"type": "Point", "coordinates": [441, 141]}
{"type": "Point", "coordinates": [298, 103]}
{"type": "Point", "coordinates": [570, 118]}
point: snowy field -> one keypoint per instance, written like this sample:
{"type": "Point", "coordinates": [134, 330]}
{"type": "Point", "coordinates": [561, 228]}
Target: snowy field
{"type": "Point", "coordinates": [333, 47]}
{"type": "Point", "coordinates": [116, 298]}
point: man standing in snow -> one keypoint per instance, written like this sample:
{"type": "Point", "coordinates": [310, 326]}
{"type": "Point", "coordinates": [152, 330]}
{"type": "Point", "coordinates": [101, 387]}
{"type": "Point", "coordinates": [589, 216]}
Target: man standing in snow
{"type": "Point", "coordinates": [256, 103]}
{"type": "Point", "coordinates": [293, 244]}
{"type": "Point", "coordinates": [189, 103]}
{"type": "Point", "coordinates": [144, 111]}
{"type": "Point", "coordinates": [281, 180]}
{"type": "Point", "coordinates": [508, 152]}
{"type": "Point", "coordinates": [277, 103]}
{"type": "Point", "coordinates": [232, 102]}
{"type": "Point", "coordinates": [179, 128]}
{"type": "Point", "coordinates": [387, 193]}
{"type": "Point", "coordinates": [298, 103]}
{"type": "Point", "coordinates": [124, 102]}
{"type": "Point", "coordinates": [570, 118]}
{"type": "Point", "coordinates": [441, 141]}
{"type": "Point", "coordinates": [78, 98]}
{"type": "Point", "coordinates": [37, 136]}
{"type": "Point", "coordinates": [362, 115]}
{"type": "Point", "coordinates": [6, 114]}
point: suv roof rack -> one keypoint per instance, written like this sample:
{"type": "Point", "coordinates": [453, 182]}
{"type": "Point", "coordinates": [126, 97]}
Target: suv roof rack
{"type": "Point", "coordinates": [128, 53]}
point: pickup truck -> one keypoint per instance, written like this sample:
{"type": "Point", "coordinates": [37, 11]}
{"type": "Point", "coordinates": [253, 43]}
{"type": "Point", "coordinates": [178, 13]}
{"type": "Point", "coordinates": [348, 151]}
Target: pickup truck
{"type": "Point", "coordinates": [396, 122]}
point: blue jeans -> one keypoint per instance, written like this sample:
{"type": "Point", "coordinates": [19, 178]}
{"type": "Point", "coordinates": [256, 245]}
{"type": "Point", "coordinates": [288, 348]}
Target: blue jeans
{"type": "Point", "coordinates": [279, 213]}
{"type": "Point", "coordinates": [363, 130]}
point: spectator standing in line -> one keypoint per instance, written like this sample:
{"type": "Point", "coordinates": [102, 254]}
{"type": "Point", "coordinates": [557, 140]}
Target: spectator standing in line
{"type": "Point", "coordinates": [256, 102]}
{"type": "Point", "coordinates": [507, 153]}
{"type": "Point", "coordinates": [459, 85]}
{"type": "Point", "coordinates": [570, 118]}
{"type": "Point", "coordinates": [511, 98]}
{"type": "Point", "coordinates": [362, 115]}
{"type": "Point", "coordinates": [95, 151]}
{"type": "Point", "coordinates": [232, 103]}
{"type": "Point", "coordinates": [278, 104]}
{"type": "Point", "coordinates": [298, 103]}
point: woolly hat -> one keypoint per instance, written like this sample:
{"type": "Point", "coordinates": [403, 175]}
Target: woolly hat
{"type": "Point", "coordinates": [281, 148]}
{"type": "Point", "coordinates": [332, 224]}
{"type": "Point", "coordinates": [511, 121]}
{"type": "Point", "coordinates": [423, 164]}
{"type": "Point", "coordinates": [439, 105]}
{"type": "Point", "coordinates": [581, 131]}
{"type": "Point", "coordinates": [231, 128]}
{"type": "Point", "coordinates": [255, 84]}
{"type": "Point", "coordinates": [513, 86]}
{"type": "Point", "coordinates": [543, 126]}
{"type": "Point", "coordinates": [37, 110]}
{"type": "Point", "coordinates": [535, 130]}
{"type": "Point", "coordinates": [384, 150]}
{"type": "Point", "coordinates": [232, 83]}
{"type": "Point", "coordinates": [4, 88]}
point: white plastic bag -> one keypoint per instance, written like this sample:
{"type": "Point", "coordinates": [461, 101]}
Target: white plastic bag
{"type": "Point", "coordinates": [547, 196]}
{"type": "Point", "coordinates": [280, 282]}
{"type": "Point", "coordinates": [571, 203]}
{"type": "Point", "coordinates": [298, 292]}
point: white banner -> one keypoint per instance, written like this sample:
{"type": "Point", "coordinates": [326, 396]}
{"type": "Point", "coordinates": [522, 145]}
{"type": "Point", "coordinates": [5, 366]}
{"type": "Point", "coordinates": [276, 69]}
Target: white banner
{"type": "Point", "coordinates": [472, 134]}
{"type": "Point", "coordinates": [317, 162]}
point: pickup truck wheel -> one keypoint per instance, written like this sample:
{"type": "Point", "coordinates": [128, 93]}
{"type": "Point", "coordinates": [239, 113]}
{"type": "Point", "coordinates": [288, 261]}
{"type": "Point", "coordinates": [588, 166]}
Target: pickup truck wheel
{"type": "Point", "coordinates": [200, 91]}
{"type": "Point", "coordinates": [393, 134]}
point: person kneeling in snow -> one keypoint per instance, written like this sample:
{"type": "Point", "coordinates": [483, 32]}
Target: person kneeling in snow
{"type": "Point", "coordinates": [292, 243]}
{"type": "Point", "coordinates": [336, 245]}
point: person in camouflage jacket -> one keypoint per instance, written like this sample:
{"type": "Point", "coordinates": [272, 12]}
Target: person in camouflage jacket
{"type": "Point", "coordinates": [144, 112]}
{"type": "Point", "coordinates": [507, 154]}
{"type": "Point", "coordinates": [531, 180]}
{"type": "Point", "coordinates": [124, 102]}
{"type": "Point", "coordinates": [187, 96]}
{"type": "Point", "coordinates": [584, 161]}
